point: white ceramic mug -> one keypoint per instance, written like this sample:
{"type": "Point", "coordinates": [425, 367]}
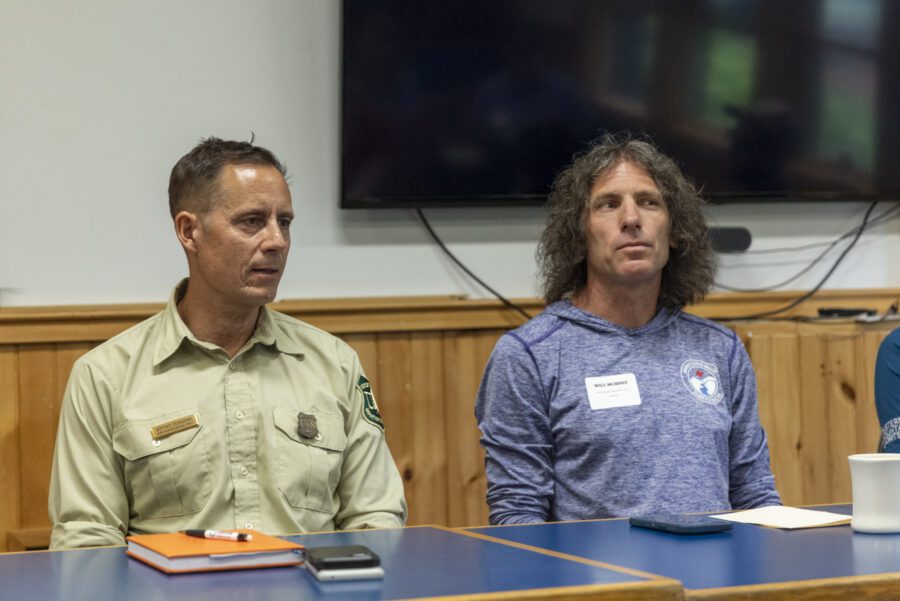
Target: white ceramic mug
{"type": "Point", "coordinates": [876, 492]}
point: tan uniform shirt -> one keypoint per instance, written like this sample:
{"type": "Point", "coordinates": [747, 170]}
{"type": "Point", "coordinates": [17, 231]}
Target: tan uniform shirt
{"type": "Point", "coordinates": [160, 432]}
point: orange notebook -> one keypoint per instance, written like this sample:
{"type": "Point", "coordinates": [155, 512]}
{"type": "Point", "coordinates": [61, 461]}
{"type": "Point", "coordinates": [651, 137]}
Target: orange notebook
{"type": "Point", "coordinates": [177, 553]}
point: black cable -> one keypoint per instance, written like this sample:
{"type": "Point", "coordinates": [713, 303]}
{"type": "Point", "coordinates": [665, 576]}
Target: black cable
{"type": "Point", "coordinates": [783, 283]}
{"type": "Point", "coordinates": [888, 215]}
{"type": "Point", "coordinates": [772, 287]}
{"type": "Point", "coordinates": [879, 220]}
{"type": "Point", "coordinates": [855, 232]}
{"type": "Point", "coordinates": [821, 283]}
{"type": "Point", "coordinates": [468, 272]}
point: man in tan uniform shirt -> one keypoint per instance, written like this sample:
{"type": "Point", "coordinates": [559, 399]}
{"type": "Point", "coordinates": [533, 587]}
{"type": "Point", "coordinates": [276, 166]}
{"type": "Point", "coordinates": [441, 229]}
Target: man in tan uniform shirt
{"type": "Point", "coordinates": [218, 412]}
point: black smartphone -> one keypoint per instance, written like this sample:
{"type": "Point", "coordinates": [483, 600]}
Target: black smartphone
{"type": "Point", "coordinates": [681, 524]}
{"type": "Point", "coordinates": [344, 562]}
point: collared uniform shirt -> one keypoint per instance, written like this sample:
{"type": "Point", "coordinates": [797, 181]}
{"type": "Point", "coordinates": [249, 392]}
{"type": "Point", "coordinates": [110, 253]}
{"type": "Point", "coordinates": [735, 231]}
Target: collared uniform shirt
{"type": "Point", "coordinates": [245, 464]}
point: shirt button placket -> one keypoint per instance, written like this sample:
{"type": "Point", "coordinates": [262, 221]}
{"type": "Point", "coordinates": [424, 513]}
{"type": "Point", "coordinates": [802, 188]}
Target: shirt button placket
{"type": "Point", "coordinates": [241, 444]}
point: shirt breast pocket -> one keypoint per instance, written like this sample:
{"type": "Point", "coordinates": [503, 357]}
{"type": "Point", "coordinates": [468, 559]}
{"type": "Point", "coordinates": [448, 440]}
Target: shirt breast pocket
{"type": "Point", "coordinates": [309, 469]}
{"type": "Point", "coordinates": [167, 477]}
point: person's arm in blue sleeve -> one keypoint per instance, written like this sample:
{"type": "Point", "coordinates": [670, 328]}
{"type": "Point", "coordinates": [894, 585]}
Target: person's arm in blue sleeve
{"type": "Point", "coordinates": [751, 483]}
{"type": "Point", "coordinates": [887, 391]}
{"type": "Point", "coordinates": [512, 415]}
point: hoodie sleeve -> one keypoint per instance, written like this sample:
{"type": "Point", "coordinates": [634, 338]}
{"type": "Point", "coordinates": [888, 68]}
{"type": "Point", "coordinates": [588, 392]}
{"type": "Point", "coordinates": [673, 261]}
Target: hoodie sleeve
{"type": "Point", "coordinates": [512, 414]}
{"type": "Point", "coordinates": [751, 483]}
{"type": "Point", "coordinates": [887, 391]}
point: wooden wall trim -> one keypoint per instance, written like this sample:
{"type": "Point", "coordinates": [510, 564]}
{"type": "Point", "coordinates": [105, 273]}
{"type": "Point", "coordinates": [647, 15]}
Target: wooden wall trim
{"type": "Point", "coordinates": [729, 306]}
{"type": "Point", "coordinates": [24, 325]}
{"type": "Point", "coordinates": [29, 325]}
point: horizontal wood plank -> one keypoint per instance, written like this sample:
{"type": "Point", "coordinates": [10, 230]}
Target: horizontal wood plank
{"type": "Point", "coordinates": [31, 325]}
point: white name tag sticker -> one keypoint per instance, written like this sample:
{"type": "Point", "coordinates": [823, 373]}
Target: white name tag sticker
{"type": "Point", "coordinates": [606, 392]}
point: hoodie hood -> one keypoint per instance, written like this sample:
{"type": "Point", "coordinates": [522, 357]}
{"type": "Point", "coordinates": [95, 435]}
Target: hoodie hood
{"type": "Point", "coordinates": [567, 311]}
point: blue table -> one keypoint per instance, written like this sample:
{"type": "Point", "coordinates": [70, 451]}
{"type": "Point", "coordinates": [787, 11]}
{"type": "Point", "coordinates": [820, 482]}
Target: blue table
{"type": "Point", "coordinates": [419, 562]}
{"type": "Point", "coordinates": [746, 562]}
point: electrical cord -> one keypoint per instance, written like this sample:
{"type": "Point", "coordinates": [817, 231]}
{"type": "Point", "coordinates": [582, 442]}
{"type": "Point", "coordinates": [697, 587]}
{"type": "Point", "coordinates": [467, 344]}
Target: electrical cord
{"type": "Point", "coordinates": [809, 294]}
{"type": "Point", "coordinates": [889, 214]}
{"type": "Point", "coordinates": [468, 272]}
{"type": "Point", "coordinates": [885, 217]}
{"type": "Point", "coordinates": [782, 283]}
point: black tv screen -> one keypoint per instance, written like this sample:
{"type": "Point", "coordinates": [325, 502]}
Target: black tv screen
{"type": "Point", "coordinates": [482, 102]}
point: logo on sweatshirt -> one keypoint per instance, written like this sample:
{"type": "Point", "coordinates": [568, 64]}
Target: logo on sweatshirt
{"type": "Point", "coordinates": [702, 380]}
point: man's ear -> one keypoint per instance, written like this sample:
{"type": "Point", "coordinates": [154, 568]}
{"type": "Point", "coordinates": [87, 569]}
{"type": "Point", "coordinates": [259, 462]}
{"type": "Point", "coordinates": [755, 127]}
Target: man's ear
{"type": "Point", "coordinates": [187, 226]}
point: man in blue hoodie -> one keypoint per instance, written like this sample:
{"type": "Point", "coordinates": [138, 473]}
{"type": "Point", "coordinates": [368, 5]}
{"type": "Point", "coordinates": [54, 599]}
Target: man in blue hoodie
{"type": "Point", "coordinates": [613, 402]}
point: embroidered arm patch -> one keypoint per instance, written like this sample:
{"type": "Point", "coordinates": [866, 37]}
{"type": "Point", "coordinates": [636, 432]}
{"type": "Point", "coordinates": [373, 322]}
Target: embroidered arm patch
{"type": "Point", "coordinates": [370, 408]}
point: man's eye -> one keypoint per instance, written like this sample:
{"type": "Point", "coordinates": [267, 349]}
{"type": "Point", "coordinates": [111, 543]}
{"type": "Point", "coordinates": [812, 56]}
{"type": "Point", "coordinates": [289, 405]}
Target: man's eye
{"type": "Point", "coordinates": [252, 221]}
{"type": "Point", "coordinates": [285, 223]}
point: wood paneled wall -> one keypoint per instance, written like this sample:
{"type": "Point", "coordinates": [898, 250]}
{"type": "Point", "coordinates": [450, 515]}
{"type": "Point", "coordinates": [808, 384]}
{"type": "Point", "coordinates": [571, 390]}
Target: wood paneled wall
{"type": "Point", "coordinates": [425, 357]}
{"type": "Point", "coordinates": [815, 383]}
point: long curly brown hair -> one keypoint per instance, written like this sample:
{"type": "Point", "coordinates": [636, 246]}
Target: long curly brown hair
{"type": "Point", "coordinates": [561, 254]}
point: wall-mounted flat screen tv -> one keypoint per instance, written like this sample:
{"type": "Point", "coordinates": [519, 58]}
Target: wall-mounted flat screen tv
{"type": "Point", "coordinates": [482, 102]}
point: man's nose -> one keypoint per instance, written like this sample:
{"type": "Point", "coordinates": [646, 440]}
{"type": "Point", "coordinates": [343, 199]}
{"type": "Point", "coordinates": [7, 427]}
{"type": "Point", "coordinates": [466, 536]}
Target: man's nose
{"type": "Point", "coordinates": [630, 215]}
{"type": "Point", "coordinates": [274, 238]}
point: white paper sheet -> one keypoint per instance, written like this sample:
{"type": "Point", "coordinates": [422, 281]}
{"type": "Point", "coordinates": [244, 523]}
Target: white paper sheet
{"type": "Point", "coordinates": [786, 517]}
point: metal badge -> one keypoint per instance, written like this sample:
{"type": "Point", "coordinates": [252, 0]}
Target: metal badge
{"type": "Point", "coordinates": [306, 425]}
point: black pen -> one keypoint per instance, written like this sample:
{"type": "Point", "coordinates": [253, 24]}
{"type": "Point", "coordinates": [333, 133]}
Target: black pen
{"type": "Point", "coordinates": [220, 535]}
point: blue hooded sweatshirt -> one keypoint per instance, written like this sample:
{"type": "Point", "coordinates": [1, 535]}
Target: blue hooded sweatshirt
{"type": "Point", "coordinates": [581, 418]}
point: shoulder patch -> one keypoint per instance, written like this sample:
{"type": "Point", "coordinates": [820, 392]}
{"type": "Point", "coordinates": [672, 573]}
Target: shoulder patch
{"type": "Point", "coordinates": [370, 408]}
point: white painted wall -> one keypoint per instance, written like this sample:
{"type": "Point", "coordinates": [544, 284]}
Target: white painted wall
{"type": "Point", "coordinates": [98, 99]}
